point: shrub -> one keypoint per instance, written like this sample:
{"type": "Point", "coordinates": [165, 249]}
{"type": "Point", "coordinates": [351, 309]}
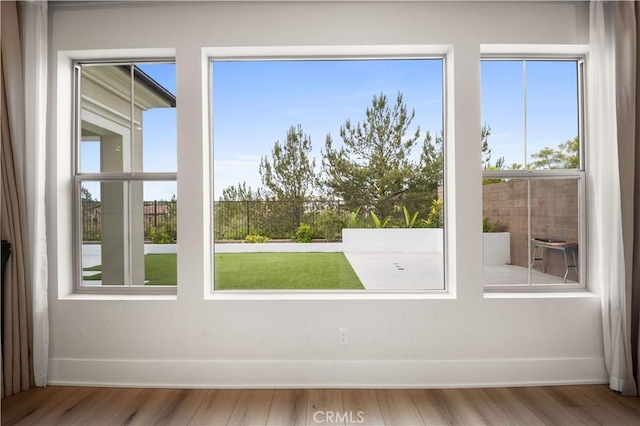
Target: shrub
{"type": "Point", "coordinates": [352, 219]}
{"type": "Point", "coordinates": [256, 239]}
{"type": "Point", "coordinates": [303, 233]}
{"type": "Point", "coordinates": [330, 224]}
{"type": "Point", "coordinates": [91, 236]}
{"type": "Point", "coordinates": [162, 235]}
{"type": "Point", "coordinates": [488, 226]}
{"type": "Point", "coordinates": [409, 221]}
{"type": "Point", "coordinates": [377, 223]}
{"type": "Point", "coordinates": [434, 218]}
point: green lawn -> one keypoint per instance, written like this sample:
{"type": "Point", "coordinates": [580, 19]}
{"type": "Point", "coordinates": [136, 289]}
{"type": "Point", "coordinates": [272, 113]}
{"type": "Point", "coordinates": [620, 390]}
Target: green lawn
{"type": "Point", "coordinates": [284, 271]}
{"type": "Point", "coordinates": [261, 271]}
{"type": "Point", "coordinates": [160, 269]}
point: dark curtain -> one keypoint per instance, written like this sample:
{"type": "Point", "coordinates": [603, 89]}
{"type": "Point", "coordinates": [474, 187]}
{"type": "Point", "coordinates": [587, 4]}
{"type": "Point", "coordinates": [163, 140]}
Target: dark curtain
{"type": "Point", "coordinates": [17, 342]}
{"type": "Point", "coordinates": [626, 19]}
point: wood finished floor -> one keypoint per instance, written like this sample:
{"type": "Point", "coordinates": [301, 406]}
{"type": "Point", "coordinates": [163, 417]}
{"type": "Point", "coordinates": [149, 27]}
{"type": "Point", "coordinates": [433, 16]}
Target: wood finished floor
{"type": "Point", "coordinates": [554, 405]}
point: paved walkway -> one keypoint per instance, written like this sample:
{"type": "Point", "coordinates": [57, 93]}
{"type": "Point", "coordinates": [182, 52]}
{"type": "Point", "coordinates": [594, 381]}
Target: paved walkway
{"type": "Point", "coordinates": [399, 271]}
{"type": "Point", "coordinates": [512, 274]}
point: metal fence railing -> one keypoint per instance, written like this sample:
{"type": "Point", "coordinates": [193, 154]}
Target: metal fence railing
{"type": "Point", "coordinates": [235, 220]}
{"type": "Point", "coordinates": [159, 221]}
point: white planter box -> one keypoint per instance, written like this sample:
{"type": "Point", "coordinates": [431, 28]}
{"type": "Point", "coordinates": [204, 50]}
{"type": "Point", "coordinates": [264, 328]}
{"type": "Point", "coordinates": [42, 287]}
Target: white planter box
{"type": "Point", "coordinates": [497, 248]}
{"type": "Point", "coordinates": [160, 248]}
{"type": "Point", "coordinates": [392, 240]}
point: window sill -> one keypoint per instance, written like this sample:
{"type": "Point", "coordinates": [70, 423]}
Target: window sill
{"type": "Point", "coordinates": [325, 295]}
{"type": "Point", "coordinates": [578, 294]}
{"type": "Point", "coordinates": [102, 296]}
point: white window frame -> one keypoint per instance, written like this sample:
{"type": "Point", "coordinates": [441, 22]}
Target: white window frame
{"type": "Point", "coordinates": [309, 53]}
{"type": "Point", "coordinates": [578, 174]}
{"type": "Point", "coordinates": [125, 177]}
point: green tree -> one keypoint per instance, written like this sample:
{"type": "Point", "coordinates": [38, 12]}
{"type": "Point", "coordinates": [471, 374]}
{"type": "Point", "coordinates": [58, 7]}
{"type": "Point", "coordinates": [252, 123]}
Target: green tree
{"type": "Point", "coordinates": [565, 156]}
{"type": "Point", "coordinates": [428, 176]}
{"type": "Point", "coordinates": [546, 158]}
{"type": "Point", "coordinates": [290, 175]}
{"type": "Point", "coordinates": [485, 132]}
{"type": "Point", "coordinates": [85, 194]}
{"type": "Point", "coordinates": [372, 169]}
{"type": "Point", "coordinates": [241, 192]}
{"type": "Point", "coordinates": [486, 156]}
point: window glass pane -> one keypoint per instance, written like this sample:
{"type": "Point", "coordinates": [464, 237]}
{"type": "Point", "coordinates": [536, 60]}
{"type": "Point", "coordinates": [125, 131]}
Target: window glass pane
{"type": "Point", "coordinates": [124, 135]}
{"type": "Point", "coordinates": [90, 153]}
{"type": "Point", "coordinates": [531, 226]}
{"type": "Point", "coordinates": [539, 214]}
{"type": "Point", "coordinates": [554, 230]}
{"type": "Point", "coordinates": [505, 231]}
{"type": "Point", "coordinates": [159, 122]}
{"type": "Point", "coordinates": [91, 229]}
{"type": "Point", "coordinates": [105, 236]}
{"type": "Point", "coordinates": [503, 113]}
{"type": "Point", "coordinates": [105, 111]}
{"type": "Point", "coordinates": [552, 114]}
{"type": "Point", "coordinates": [129, 233]}
{"type": "Point", "coordinates": [312, 157]}
{"type": "Point", "coordinates": [156, 213]}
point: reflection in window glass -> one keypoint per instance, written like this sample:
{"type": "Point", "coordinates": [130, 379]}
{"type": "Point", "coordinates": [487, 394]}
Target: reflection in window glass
{"type": "Point", "coordinates": [114, 142]}
{"type": "Point", "coordinates": [137, 249]}
{"type": "Point", "coordinates": [127, 225]}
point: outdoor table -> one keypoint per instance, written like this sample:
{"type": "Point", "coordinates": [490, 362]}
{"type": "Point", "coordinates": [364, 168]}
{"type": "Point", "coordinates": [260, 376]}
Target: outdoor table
{"type": "Point", "coordinates": [555, 244]}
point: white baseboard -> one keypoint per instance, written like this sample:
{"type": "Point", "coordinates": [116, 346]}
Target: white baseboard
{"type": "Point", "coordinates": [326, 374]}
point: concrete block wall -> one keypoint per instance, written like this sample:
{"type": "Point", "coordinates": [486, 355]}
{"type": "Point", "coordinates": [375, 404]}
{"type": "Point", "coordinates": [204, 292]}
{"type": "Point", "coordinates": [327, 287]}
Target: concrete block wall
{"type": "Point", "coordinates": [554, 213]}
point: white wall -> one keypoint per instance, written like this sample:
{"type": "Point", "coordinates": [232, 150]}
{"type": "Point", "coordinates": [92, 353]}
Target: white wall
{"type": "Point", "coordinates": [459, 339]}
{"type": "Point", "coordinates": [392, 240]}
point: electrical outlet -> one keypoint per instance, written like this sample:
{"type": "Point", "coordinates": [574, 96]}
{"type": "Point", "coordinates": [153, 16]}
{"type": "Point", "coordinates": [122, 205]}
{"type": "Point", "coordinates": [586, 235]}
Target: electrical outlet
{"type": "Point", "coordinates": [343, 336]}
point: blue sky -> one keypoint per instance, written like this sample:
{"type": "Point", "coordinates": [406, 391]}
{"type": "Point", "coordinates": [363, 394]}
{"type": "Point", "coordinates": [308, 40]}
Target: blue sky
{"type": "Point", "coordinates": [255, 103]}
{"type": "Point", "coordinates": [551, 107]}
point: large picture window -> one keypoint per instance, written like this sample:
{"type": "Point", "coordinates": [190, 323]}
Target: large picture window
{"type": "Point", "coordinates": [125, 176]}
{"type": "Point", "coordinates": [328, 174]}
{"type": "Point", "coordinates": [533, 173]}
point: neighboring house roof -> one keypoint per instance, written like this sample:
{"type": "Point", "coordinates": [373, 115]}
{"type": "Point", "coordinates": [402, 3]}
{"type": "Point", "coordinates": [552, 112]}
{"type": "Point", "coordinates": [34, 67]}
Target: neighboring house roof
{"type": "Point", "coordinates": [116, 80]}
{"type": "Point", "coordinates": [149, 208]}
{"type": "Point", "coordinates": [156, 209]}
{"type": "Point", "coordinates": [144, 79]}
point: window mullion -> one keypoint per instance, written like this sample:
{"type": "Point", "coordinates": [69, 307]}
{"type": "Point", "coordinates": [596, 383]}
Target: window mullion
{"type": "Point", "coordinates": [128, 261]}
{"type": "Point", "coordinates": [581, 124]}
{"type": "Point", "coordinates": [529, 232]}
{"type": "Point", "coordinates": [524, 109]}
